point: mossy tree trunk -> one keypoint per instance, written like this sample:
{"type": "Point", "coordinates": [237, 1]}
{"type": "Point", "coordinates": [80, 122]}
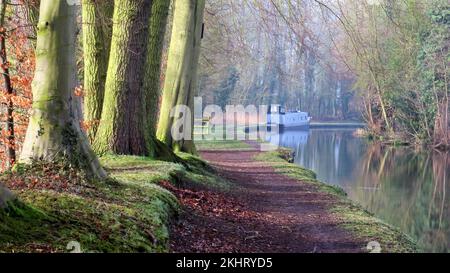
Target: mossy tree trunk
{"type": "Point", "coordinates": [181, 75]}
{"type": "Point", "coordinates": [97, 30]}
{"type": "Point", "coordinates": [152, 84]}
{"type": "Point", "coordinates": [152, 80]}
{"type": "Point", "coordinates": [123, 127]}
{"type": "Point", "coordinates": [54, 131]}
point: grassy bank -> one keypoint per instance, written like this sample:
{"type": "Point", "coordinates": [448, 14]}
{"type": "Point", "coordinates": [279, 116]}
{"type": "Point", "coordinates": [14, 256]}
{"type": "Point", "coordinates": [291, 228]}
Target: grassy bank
{"type": "Point", "coordinates": [225, 145]}
{"type": "Point", "coordinates": [131, 211]}
{"type": "Point", "coordinates": [353, 217]}
{"type": "Point", "coordinates": [128, 213]}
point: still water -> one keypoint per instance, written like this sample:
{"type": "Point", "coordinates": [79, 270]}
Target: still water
{"type": "Point", "coordinates": [408, 189]}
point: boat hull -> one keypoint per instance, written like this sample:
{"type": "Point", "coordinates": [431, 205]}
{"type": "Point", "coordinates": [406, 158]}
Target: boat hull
{"type": "Point", "coordinates": [295, 126]}
{"type": "Point", "coordinates": [286, 121]}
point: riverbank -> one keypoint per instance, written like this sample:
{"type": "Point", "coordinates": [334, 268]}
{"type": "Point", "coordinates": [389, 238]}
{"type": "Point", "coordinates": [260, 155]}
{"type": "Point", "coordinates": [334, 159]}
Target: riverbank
{"type": "Point", "coordinates": [275, 206]}
{"type": "Point", "coordinates": [333, 124]}
{"type": "Point", "coordinates": [244, 200]}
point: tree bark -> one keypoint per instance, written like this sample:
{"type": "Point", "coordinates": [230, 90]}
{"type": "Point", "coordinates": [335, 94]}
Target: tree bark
{"type": "Point", "coordinates": [123, 126]}
{"type": "Point", "coordinates": [30, 9]}
{"type": "Point", "coordinates": [181, 76]}
{"type": "Point", "coordinates": [54, 131]}
{"type": "Point", "coordinates": [97, 30]}
{"type": "Point", "coordinates": [10, 140]}
{"type": "Point", "coordinates": [152, 83]}
{"type": "Point", "coordinates": [5, 195]}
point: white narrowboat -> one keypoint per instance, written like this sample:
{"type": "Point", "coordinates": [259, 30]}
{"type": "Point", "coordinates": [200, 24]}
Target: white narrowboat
{"type": "Point", "coordinates": [279, 117]}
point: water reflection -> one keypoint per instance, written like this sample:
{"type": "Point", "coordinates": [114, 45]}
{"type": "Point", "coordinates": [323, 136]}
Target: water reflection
{"type": "Point", "coordinates": [407, 189]}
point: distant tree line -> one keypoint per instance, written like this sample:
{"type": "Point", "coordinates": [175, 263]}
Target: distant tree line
{"type": "Point", "coordinates": [384, 62]}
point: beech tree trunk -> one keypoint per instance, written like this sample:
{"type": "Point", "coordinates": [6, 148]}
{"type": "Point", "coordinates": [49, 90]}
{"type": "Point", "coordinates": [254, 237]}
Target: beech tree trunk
{"type": "Point", "coordinates": [123, 126]}
{"type": "Point", "coordinates": [8, 89]}
{"type": "Point", "coordinates": [54, 131]}
{"type": "Point", "coordinates": [152, 84]}
{"type": "Point", "coordinates": [30, 9]}
{"type": "Point", "coordinates": [181, 76]}
{"type": "Point", "coordinates": [97, 30]}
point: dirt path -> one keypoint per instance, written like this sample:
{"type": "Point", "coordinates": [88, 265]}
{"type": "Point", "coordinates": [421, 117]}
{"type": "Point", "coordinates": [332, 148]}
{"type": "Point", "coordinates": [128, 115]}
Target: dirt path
{"type": "Point", "coordinates": [267, 213]}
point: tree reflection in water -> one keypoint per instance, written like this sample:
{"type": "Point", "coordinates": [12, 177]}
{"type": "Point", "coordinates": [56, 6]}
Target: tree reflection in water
{"type": "Point", "coordinates": [406, 188]}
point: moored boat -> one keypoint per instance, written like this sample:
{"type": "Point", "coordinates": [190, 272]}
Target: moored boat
{"type": "Point", "coordinates": [277, 116]}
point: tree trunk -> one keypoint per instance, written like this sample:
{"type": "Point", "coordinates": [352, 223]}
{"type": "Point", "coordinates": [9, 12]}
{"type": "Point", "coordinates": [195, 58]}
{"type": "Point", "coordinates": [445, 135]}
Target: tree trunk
{"type": "Point", "coordinates": [10, 140]}
{"type": "Point", "coordinates": [152, 83]}
{"type": "Point", "coordinates": [54, 131]}
{"type": "Point", "coordinates": [30, 9]}
{"type": "Point", "coordinates": [97, 28]}
{"type": "Point", "coordinates": [123, 126]}
{"type": "Point", "coordinates": [5, 195]}
{"type": "Point", "coordinates": [152, 80]}
{"type": "Point", "coordinates": [181, 76]}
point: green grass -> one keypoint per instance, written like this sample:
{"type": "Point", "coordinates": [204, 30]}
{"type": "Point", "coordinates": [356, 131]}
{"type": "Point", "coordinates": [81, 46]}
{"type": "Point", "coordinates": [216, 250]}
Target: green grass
{"type": "Point", "coordinates": [222, 145]}
{"type": "Point", "coordinates": [202, 174]}
{"type": "Point", "coordinates": [128, 213]}
{"type": "Point", "coordinates": [353, 217]}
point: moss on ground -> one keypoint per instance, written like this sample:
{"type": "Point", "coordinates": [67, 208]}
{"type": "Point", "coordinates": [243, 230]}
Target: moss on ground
{"type": "Point", "coordinates": [128, 213]}
{"type": "Point", "coordinates": [353, 217]}
{"type": "Point", "coordinates": [202, 174]}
